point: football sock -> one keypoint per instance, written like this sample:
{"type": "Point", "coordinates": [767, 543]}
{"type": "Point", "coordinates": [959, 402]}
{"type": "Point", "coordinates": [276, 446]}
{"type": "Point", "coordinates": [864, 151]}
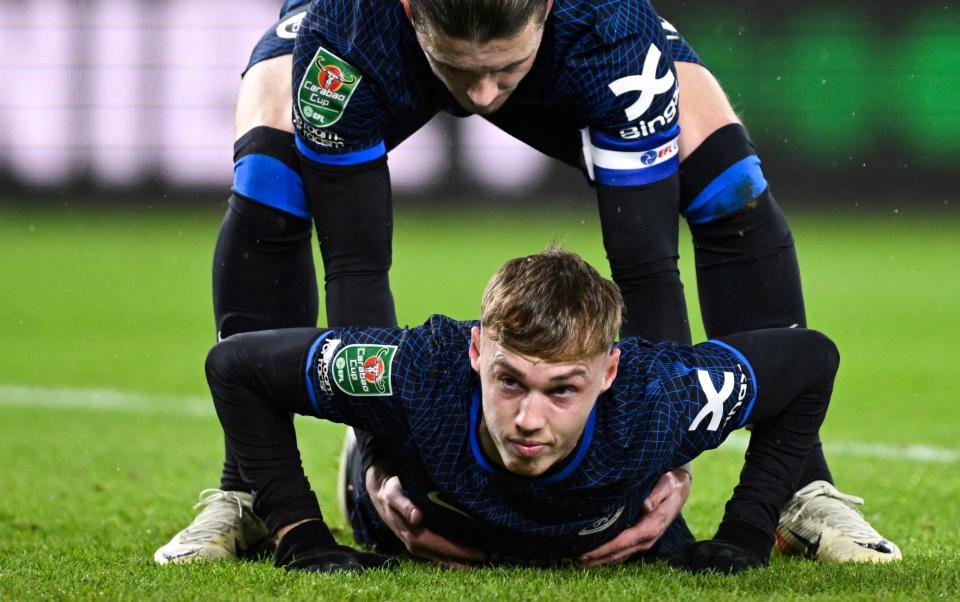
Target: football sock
{"type": "Point", "coordinates": [263, 271]}
{"type": "Point", "coordinates": [748, 276]}
{"type": "Point", "coordinates": [266, 168]}
{"type": "Point", "coordinates": [747, 271]}
{"type": "Point", "coordinates": [263, 278]}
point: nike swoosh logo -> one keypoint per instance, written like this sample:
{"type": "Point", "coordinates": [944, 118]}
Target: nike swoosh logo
{"type": "Point", "coordinates": [176, 555]}
{"type": "Point", "coordinates": [811, 546]}
{"type": "Point", "coordinates": [434, 496]}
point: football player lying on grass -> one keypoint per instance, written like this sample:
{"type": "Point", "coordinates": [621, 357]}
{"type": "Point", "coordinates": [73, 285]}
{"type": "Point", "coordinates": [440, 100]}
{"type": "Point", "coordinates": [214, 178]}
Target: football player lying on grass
{"type": "Point", "coordinates": [529, 435]}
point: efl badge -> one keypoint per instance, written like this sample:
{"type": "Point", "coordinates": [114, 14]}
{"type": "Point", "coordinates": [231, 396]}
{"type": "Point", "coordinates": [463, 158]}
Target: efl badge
{"type": "Point", "coordinates": [364, 369]}
{"type": "Point", "coordinates": [326, 89]}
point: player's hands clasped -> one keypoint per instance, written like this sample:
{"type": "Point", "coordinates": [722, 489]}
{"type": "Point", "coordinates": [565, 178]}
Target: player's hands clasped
{"type": "Point", "coordinates": [716, 555]}
{"type": "Point", "coordinates": [660, 509]}
{"type": "Point", "coordinates": [405, 520]}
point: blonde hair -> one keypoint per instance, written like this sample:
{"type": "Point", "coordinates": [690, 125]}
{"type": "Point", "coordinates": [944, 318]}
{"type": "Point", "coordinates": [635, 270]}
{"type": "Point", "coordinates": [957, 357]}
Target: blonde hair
{"type": "Point", "coordinates": [552, 306]}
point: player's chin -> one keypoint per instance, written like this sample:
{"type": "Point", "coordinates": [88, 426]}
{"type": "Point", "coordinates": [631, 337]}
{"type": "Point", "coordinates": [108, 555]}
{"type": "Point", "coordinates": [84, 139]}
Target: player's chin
{"type": "Point", "coordinates": [488, 109]}
{"type": "Point", "coordinates": [528, 466]}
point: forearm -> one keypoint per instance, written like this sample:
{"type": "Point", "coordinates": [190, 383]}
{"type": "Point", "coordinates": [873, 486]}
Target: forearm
{"type": "Point", "coordinates": [353, 214]}
{"type": "Point", "coordinates": [640, 228]}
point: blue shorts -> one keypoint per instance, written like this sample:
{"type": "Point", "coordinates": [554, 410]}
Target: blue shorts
{"type": "Point", "coordinates": [278, 40]}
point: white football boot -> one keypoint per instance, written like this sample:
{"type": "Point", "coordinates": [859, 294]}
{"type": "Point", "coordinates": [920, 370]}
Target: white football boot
{"type": "Point", "coordinates": [226, 529]}
{"type": "Point", "coordinates": [821, 522]}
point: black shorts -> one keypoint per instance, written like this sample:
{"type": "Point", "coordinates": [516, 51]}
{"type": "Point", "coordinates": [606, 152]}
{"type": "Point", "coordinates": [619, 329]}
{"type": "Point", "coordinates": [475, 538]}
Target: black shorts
{"type": "Point", "coordinates": [278, 39]}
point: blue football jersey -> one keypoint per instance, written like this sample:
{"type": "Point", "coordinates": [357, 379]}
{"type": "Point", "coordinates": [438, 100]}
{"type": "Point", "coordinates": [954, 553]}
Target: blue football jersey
{"type": "Point", "coordinates": [415, 391]}
{"type": "Point", "coordinates": [602, 91]}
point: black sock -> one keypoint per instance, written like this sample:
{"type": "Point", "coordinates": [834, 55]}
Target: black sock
{"type": "Point", "coordinates": [747, 272]}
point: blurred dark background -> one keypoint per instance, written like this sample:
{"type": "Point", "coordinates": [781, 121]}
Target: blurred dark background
{"type": "Point", "coordinates": [851, 104]}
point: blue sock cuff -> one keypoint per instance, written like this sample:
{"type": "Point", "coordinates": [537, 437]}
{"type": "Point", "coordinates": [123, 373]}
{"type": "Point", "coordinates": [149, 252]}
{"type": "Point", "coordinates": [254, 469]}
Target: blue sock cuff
{"type": "Point", "coordinates": [729, 192]}
{"type": "Point", "coordinates": [266, 170]}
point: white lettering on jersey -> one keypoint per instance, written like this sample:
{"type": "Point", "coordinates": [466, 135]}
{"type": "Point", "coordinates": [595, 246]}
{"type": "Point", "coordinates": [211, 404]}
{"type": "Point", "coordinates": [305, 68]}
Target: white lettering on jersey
{"type": "Point", "coordinates": [715, 399]}
{"type": "Point", "coordinates": [671, 31]}
{"type": "Point", "coordinates": [741, 395]}
{"type": "Point", "coordinates": [288, 28]}
{"type": "Point", "coordinates": [323, 366]}
{"type": "Point", "coordinates": [647, 83]}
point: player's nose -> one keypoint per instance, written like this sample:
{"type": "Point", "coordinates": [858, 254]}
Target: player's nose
{"type": "Point", "coordinates": [530, 418]}
{"type": "Point", "coordinates": [483, 90]}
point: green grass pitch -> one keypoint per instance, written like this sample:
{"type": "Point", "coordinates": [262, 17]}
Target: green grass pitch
{"type": "Point", "coordinates": [106, 436]}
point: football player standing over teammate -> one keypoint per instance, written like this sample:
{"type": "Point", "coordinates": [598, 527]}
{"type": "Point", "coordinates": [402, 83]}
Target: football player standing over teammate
{"type": "Point", "coordinates": [528, 435]}
{"type": "Point", "coordinates": [603, 86]}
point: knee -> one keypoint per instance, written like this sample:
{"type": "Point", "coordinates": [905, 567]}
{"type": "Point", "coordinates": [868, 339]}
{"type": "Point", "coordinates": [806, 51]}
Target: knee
{"type": "Point", "coordinates": [226, 363]}
{"type": "Point", "coordinates": [829, 353]}
{"type": "Point", "coordinates": [822, 352]}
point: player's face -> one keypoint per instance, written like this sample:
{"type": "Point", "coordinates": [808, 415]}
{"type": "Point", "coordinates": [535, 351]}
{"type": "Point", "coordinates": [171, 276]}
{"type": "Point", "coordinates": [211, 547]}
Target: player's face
{"type": "Point", "coordinates": [482, 75]}
{"type": "Point", "coordinates": [534, 411]}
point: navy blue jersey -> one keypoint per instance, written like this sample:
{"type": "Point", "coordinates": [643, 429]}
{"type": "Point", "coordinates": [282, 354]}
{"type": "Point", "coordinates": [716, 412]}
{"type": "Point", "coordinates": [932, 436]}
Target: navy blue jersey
{"type": "Point", "coordinates": [279, 37]}
{"type": "Point", "coordinates": [414, 389]}
{"type": "Point", "coordinates": [602, 90]}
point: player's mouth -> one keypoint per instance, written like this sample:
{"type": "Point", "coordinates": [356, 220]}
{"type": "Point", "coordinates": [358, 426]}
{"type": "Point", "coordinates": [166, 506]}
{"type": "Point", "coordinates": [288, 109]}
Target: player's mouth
{"type": "Point", "coordinates": [528, 449]}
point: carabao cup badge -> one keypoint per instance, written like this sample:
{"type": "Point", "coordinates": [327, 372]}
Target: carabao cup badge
{"type": "Point", "coordinates": [364, 369]}
{"type": "Point", "coordinates": [326, 89]}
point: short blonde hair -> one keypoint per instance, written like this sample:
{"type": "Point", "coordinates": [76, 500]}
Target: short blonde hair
{"type": "Point", "coordinates": [552, 306]}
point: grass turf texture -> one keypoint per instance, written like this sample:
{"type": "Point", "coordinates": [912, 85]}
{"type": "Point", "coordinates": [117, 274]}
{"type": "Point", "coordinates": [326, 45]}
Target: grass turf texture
{"type": "Point", "coordinates": [120, 301]}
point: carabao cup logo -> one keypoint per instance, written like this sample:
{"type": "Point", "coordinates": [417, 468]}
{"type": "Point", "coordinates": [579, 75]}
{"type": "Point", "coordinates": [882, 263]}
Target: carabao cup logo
{"type": "Point", "coordinates": [373, 369]}
{"type": "Point", "coordinates": [331, 77]}
{"type": "Point", "coordinates": [364, 369]}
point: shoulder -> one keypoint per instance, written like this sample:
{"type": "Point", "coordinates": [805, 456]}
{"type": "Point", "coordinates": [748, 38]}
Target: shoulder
{"type": "Point", "coordinates": [356, 64]}
{"type": "Point", "coordinates": [607, 21]}
{"type": "Point", "coordinates": [616, 65]}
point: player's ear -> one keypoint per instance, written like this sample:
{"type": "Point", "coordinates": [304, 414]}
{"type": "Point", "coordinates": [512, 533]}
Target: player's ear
{"type": "Point", "coordinates": [406, 9]}
{"type": "Point", "coordinates": [475, 349]}
{"type": "Point", "coordinates": [610, 370]}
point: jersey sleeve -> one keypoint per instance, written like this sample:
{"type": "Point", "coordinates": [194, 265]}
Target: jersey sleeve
{"type": "Point", "coordinates": [371, 377]}
{"type": "Point", "coordinates": [628, 89]}
{"type": "Point", "coordinates": [711, 388]}
{"type": "Point", "coordinates": [337, 113]}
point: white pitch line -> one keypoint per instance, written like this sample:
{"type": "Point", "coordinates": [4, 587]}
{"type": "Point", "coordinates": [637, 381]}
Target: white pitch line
{"type": "Point", "coordinates": [150, 403]}
{"type": "Point", "coordinates": [737, 442]}
{"type": "Point", "coordinates": [104, 399]}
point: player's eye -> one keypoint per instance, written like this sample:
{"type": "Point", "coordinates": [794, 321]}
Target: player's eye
{"type": "Point", "coordinates": [564, 390]}
{"type": "Point", "coordinates": [509, 382]}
